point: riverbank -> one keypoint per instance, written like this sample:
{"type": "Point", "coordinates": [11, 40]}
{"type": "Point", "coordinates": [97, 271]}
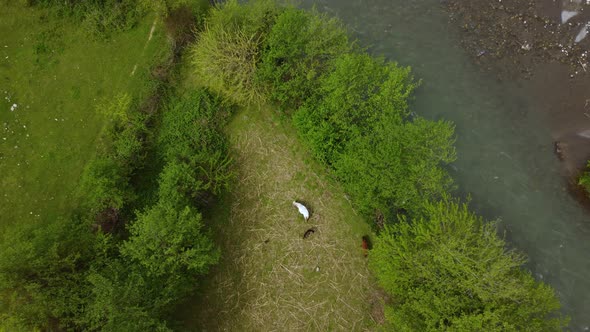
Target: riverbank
{"type": "Point", "coordinates": [543, 46]}
{"type": "Point", "coordinates": [505, 146]}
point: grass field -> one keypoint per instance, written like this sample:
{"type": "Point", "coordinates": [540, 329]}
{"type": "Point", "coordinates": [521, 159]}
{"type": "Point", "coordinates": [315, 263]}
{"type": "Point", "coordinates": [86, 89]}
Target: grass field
{"type": "Point", "coordinates": [58, 76]}
{"type": "Point", "coordinates": [267, 279]}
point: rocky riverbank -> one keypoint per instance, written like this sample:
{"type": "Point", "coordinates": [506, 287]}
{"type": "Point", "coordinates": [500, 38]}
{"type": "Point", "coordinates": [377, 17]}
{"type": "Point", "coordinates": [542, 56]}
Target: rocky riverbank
{"type": "Point", "coordinates": [544, 45]}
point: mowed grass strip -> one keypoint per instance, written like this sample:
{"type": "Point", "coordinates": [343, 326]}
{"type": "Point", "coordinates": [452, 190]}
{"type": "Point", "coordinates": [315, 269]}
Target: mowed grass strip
{"type": "Point", "coordinates": [268, 278]}
{"type": "Point", "coordinates": [58, 77]}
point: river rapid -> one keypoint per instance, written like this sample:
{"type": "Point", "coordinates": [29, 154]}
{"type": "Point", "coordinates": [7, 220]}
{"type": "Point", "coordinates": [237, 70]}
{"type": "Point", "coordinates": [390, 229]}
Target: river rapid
{"type": "Point", "coordinates": [506, 132]}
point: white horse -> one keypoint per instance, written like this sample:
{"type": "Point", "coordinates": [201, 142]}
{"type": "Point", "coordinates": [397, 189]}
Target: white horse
{"type": "Point", "coordinates": [302, 209]}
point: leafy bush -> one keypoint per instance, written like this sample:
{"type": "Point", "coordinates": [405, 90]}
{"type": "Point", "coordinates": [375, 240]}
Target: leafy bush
{"type": "Point", "coordinates": [191, 125]}
{"type": "Point", "coordinates": [99, 18]}
{"type": "Point", "coordinates": [297, 51]}
{"type": "Point", "coordinates": [192, 142]}
{"type": "Point", "coordinates": [135, 283]}
{"type": "Point", "coordinates": [353, 97]}
{"type": "Point", "coordinates": [398, 166]}
{"type": "Point", "coordinates": [104, 185]}
{"type": "Point", "coordinates": [449, 271]}
{"type": "Point", "coordinates": [227, 52]}
{"type": "Point", "coordinates": [177, 183]}
{"type": "Point", "coordinates": [584, 179]}
{"type": "Point", "coordinates": [167, 240]}
{"type": "Point", "coordinates": [123, 299]}
{"type": "Point", "coordinates": [360, 126]}
{"type": "Point", "coordinates": [160, 263]}
{"type": "Point", "coordinates": [42, 273]}
{"type": "Point", "coordinates": [165, 7]}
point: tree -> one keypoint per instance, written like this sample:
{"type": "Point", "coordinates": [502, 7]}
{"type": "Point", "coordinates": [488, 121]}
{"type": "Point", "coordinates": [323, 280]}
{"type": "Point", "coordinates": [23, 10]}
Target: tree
{"type": "Point", "coordinates": [351, 99]}
{"type": "Point", "coordinates": [397, 166]}
{"type": "Point", "coordinates": [449, 271]}
{"type": "Point", "coordinates": [169, 240]}
{"type": "Point", "coordinates": [194, 147]}
{"type": "Point", "coordinates": [104, 185]}
{"type": "Point", "coordinates": [191, 127]}
{"type": "Point", "coordinates": [297, 52]}
{"type": "Point", "coordinates": [359, 124]}
{"type": "Point", "coordinates": [165, 7]}
{"type": "Point", "coordinates": [135, 284]}
{"type": "Point", "coordinates": [124, 299]}
{"type": "Point", "coordinates": [42, 273]}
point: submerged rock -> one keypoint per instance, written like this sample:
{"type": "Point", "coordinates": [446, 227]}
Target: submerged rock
{"type": "Point", "coordinates": [583, 33]}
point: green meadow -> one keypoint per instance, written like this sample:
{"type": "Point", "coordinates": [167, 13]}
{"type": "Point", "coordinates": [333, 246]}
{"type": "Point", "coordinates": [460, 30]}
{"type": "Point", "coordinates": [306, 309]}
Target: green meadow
{"type": "Point", "coordinates": [58, 77]}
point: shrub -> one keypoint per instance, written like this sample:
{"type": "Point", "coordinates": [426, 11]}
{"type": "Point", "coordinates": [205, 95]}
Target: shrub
{"type": "Point", "coordinates": [359, 124]}
{"type": "Point", "coordinates": [584, 180]}
{"type": "Point", "coordinates": [99, 18]}
{"type": "Point", "coordinates": [42, 273]}
{"type": "Point", "coordinates": [102, 18]}
{"type": "Point", "coordinates": [227, 52]}
{"type": "Point", "coordinates": [165, 7]}
{"type": "Point", "coordinates": [123, 299]}
{"type": "Point", "coordinates": [398, 166]}
{"type": "Point", "coordinates": [351, 98]}
{"type": "Point", "coordinates": [177, 183]}
{"type": "Point", "coordinates": [104, 185]}
{"type": "Point", "coordinates": [167, 240]}
{"type": "Point", "coordinates": [192, 143]}
{"type": "Point", "coordinates": [191, 125]}
{"type": "Point", "coordinates": [449, 271]}
{"type": "Point", "coordinates": [297, 51]}
{"type": "Point", "coordinates": [135, 286]}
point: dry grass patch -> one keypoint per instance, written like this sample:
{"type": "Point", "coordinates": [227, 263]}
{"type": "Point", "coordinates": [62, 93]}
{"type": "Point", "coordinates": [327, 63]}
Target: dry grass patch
{"type": "Point", "coordinates": [267, 279]}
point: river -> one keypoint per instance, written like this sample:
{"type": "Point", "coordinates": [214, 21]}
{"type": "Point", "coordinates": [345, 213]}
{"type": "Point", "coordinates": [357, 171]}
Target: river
{"type": "Point", "coordinates": [504, 142]}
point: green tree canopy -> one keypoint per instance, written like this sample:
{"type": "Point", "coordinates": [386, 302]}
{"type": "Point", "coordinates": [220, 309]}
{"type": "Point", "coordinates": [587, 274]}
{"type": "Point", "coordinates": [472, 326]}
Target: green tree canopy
{"type": "Point", "coordinates": [360, 125]}
{"type": "Point", "coordinates": [169, 239]}
{"type": "Point", "coordinates": [297, 51]}
{"type": "Point", "coordinates": [449, 271]}
{"type": "Point", "coordinates": [42, 273]}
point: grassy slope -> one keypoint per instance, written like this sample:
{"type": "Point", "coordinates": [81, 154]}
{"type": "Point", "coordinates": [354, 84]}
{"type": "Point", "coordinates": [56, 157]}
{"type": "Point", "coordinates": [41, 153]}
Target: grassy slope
{"type": "Point", "coordinates": [266, 279]}
{"type": "Point", "coordinates": [58, 76]}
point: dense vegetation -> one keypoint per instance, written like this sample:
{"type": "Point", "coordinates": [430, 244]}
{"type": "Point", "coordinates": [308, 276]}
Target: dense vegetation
{"type": "Point", "coordinates": [125, 256]}
{"type": "Point", "coordinates": [584, 179]}
{"type": "Point", "coordinates": [103, 18]}
{"type": "Point", "coordinates": [448, 270]}
{"type": "Point", "coordinates": [110, 269]}
{"type": "Point", "coordinates": [444, 267]}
